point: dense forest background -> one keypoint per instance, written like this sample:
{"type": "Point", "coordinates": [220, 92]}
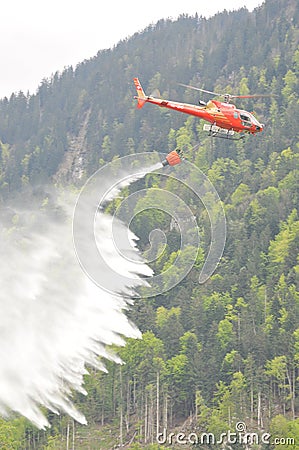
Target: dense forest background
{"type": "Point", "coordinates": [214, 354]}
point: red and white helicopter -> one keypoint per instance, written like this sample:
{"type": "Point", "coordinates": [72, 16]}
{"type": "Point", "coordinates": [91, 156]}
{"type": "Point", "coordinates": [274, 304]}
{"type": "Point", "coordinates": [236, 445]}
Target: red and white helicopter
{"type": "Point", "coordinates": [224, 118]}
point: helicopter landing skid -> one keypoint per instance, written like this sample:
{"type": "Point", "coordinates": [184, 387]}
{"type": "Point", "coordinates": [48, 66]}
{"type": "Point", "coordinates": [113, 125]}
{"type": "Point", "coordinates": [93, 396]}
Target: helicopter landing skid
{"type": "Point", "coordinates": [227, 136]}
{"type": "Point", "coordinates": [216, 131]}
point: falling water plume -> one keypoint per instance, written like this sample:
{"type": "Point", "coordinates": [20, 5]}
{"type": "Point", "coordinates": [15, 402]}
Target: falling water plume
{"type": "Point", "coordinates": [54, 320]}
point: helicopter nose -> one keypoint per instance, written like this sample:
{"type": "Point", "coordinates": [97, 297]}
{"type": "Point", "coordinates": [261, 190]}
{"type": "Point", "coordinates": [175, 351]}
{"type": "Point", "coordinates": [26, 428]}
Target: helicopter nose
{"type": "Point", "coordinates": [260, 127]}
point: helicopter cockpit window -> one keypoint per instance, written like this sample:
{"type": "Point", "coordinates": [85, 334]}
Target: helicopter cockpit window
{"type": "Point", "coordinates": [246, 120]}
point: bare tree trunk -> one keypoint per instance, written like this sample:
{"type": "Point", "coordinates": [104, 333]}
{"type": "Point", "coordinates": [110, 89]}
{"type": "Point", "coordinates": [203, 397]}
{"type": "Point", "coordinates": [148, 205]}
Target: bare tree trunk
{"type": "Point", "coordinates": [152, 425]}
{"type": "Point", "coordinates": [134, 392]}
{"type": "Point", "coordinates": [259, 411]}
{"type": "Point", "coordinates": [68, 436]}
{"type": "Point", "coordinates": [158, 404]}
{"type": "Point", "coordinates": [103, 401]}
{"type": "Point", "coordinates": [251, 404]}
{"type": "Point", "coordinates": [292, 394]}
{"type": "Point", "coordinates": [121, 409]}
{"type": "Point", "coordinates": [128, 405]}
{"type": "Point", "coordinates": [294, 389]}
{"type": "Point", "coordinates": [165, 410]}
{"type": "Point", "coordinates": [113, 391]}
{"type": "Point", "coordinates": [103, 412]}
{"type": "Point", "coordinates": [29, 441]}
{"type": "Point", "coordinates": [283, 399]}
{"type": "Point", "coordinates": [140, 411]}
{"type": "Point", "coordinates": [73, 447]}
{"type": "Point", "coordinates": [145, 420]}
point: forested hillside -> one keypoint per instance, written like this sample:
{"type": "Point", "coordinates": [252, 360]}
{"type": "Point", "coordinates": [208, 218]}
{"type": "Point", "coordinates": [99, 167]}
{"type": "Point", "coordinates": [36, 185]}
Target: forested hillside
{"type": "Point", "coordinates": [214, 354]}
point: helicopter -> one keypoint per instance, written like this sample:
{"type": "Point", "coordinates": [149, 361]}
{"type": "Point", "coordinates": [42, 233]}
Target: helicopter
{"type": "Point", "coordinates": [224, 118]}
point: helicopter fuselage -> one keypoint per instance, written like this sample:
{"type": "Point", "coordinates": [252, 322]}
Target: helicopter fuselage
{"type": "Point", "coordinates": [223, 115]}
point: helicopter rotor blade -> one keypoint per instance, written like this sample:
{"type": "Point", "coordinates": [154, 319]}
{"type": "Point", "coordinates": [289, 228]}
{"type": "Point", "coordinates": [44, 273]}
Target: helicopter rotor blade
{"type": "Point", "coordinates": [227, 96]}
{"type": "Point", "coordinates": [253, 96]}
{"type": "Point", "coordinates": [199, 89]}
